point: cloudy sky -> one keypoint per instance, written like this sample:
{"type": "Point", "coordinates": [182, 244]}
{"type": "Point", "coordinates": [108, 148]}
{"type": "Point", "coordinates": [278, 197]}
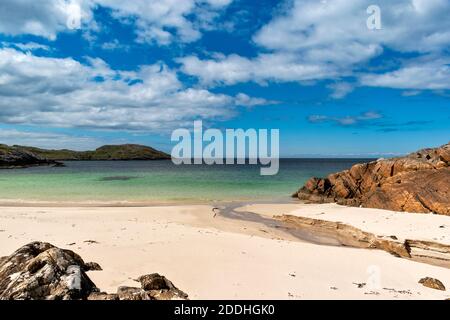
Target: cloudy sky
{"type": "Point", "coordinates": [82, 73]}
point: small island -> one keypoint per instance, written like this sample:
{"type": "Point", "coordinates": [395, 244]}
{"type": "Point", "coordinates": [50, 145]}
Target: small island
{"type": "Point", "coordinates": [23, 156]}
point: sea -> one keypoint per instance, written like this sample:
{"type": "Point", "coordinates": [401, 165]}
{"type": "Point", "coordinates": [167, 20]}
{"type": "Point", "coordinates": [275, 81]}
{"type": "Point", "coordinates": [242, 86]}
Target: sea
{"type": "Point", "coordinates": [143, 182]}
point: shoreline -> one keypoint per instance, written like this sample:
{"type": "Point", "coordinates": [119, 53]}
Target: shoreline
{"type": "Point", "coordinates": [213, 256]}
{"type": "Point", "coordinates": [139, 204]}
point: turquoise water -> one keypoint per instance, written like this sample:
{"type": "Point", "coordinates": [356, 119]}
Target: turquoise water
{"type": "Point", "coordinates": [154, 181]}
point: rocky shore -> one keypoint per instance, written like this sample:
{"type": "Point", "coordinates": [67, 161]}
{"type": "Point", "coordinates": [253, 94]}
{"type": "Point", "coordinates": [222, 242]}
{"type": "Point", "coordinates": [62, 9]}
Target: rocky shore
{"type": "Point", "coordinates": [419, 182]}
{"type": "Point", "coordinates": [41, 271]}
{"type": "Point", "coordinates": [16, 157]}
{"type": "Point", "coordinates": [343, 234]}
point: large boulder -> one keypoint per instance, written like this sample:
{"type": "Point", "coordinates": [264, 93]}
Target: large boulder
{"type": "Point", "coordinates": [41, 271]}
{"type": "Point", "coordinates": [160, 288]}
{"type": "Point", "coordinates": [432, 283]}
{"type": "Point", "coordinates": [153, 287]}
{"type": "Point", "coordinates": [419, 182]}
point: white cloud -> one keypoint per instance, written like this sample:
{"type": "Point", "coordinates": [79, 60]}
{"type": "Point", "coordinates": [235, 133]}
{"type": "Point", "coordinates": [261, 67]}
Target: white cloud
{"type": "Point", "coordinates": [48, 140]}
{"type": "Point", "coordinates": [340, 89]}
{"type": "Point", "coordinates": [306, 41]}
{"type": "Point", "coordinates": [416, 75]}
{"type": "Point", "coordinates": [28, 46]}
{"type": "Point", "coordinates": [45, 18]}
{"type": "Point", "coordinates": [154, 20]}
{"type": "Point", "coordinates": [407, 25]}
{"type": "Point", "coordinates": [114, 45]}
{"type": "Point", "coordinates": [315, 40]}
{"type": "Point", "coordinates": [266, 67]}
{"type": "Point", "coordinates": [65, 93]}
{"type": "Point", "coordinates": [244, 100]}
{"type": "Point", "coordinates": [347, 120]}
{"type": "Point", "coordinates": [411, 93]}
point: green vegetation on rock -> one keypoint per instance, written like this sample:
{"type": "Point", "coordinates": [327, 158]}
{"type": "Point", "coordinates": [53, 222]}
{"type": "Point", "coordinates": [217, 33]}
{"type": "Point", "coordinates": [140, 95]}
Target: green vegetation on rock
{"type": "Point", "coordinates": [112, 152]}
{"type": "Point", "coordinates": [20, 156]}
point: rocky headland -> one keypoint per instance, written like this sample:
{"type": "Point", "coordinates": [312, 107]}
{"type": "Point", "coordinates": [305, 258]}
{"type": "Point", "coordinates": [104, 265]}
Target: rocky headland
{"type": "Point", "coordinates": [17, 157]}
{"type": "Point", "coordinates": [419, 182]}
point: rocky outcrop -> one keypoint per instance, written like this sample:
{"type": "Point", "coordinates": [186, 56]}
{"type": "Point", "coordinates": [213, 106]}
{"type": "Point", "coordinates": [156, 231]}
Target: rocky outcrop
{"type": "Point", "coordinates": [153, 287]}
{"type": "Point", "coordinates": [41, 271]}
{"type": "Point", "coordinates": [432, 283]}
{"type": "Point", "coordinates": [337, 233]}
{"type": "Point", "coordinates": [160, 288]}
{"type": "Point", "coordinates": [16, 157]}
{"type": "Point", "coordinates": [419, 182]}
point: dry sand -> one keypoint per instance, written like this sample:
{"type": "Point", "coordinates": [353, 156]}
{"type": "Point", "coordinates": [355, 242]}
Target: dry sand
{"type": "Point", "coordinates": [218, 258]}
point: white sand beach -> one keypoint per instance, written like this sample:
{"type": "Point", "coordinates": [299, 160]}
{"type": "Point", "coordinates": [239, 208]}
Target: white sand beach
{"type": "Point", "coordinates": [427, 227]}
{"type": "Point", "coordinates": [212, 257]}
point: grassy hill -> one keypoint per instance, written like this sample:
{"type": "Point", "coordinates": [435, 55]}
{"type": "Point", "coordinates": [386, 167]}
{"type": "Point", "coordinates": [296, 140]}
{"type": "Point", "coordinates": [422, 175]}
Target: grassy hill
{"type": "Point", "coordinates": [109, 153]}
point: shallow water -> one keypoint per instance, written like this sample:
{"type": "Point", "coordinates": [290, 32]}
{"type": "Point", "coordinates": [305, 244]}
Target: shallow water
{"type": "Point", "coordinates": [152, 181]}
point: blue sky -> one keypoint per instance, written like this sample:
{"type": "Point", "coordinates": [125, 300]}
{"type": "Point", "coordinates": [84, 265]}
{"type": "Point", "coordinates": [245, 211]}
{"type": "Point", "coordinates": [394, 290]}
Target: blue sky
{"type": "Point", "coordinates": [83, 73]}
